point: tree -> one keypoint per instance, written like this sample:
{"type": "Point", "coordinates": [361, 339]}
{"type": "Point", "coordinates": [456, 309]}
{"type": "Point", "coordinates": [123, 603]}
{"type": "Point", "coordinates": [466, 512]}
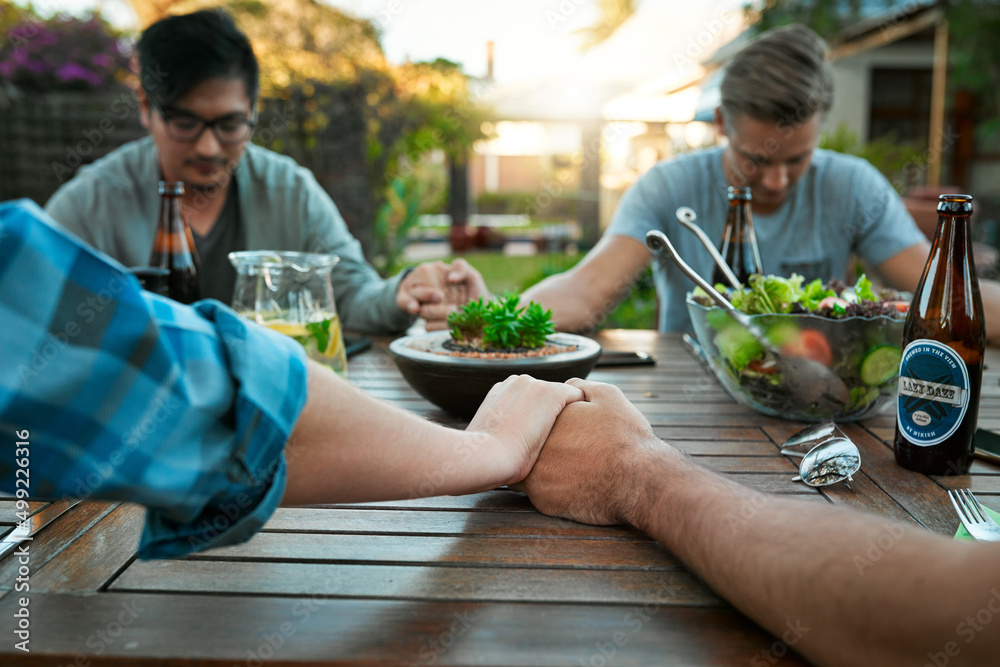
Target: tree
{"type": "Point", "coordinates": [826, 17]}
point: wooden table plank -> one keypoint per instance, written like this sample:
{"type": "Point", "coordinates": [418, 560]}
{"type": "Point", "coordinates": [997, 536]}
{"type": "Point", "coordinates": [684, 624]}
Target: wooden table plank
{"type": "Point", "coordinates": [58, 535]}
{"type": "Point", "coordinates": [478, 584]}
{"type": "Point", "coordinates": [703, 431]}
{"type": "Point", "coordinates": [624, 554]}
{"type": "Point", "coordinates": [412, 522]}
{"type": "Point", "coordinates": [750, 464]}
{"type": "Point", "coordinates": [725, 448]}
{"type": "Point", "coordinates": [92, 560]}
{"type": "Point", "coordinates": [498, 500]}
{"type": "Point", "coordinates": [9, 512]}
{"type": "Point", "coordinates": [170, 630]}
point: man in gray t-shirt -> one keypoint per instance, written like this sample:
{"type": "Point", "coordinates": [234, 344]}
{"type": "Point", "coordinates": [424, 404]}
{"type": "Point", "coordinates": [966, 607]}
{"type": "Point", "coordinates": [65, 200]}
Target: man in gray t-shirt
{"type": "Point", "coordinates": [812, 208]}
{"type": "Point", "coordinates": [840, 206]}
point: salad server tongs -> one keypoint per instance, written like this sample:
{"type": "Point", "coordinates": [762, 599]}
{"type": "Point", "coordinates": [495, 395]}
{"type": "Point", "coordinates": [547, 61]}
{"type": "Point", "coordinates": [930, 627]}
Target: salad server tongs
{"type": "Point", "coordinates": [809, 381]}
{"type": "Point", "coordinates": [686, 216]}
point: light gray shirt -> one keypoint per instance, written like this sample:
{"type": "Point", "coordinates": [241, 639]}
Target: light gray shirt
{"type": "Point", "coordinates": [841, 206]}
{"type": "Point", "coordinates": [112, 205]}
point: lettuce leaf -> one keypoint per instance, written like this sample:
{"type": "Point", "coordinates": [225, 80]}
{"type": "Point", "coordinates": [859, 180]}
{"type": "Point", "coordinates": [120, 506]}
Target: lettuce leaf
{"type": "Point", "coordinates": [863, 289]}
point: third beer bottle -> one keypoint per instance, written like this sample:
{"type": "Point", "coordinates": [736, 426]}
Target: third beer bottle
{"type": "Point", "coordinates": [739, 243]}
{"type": "Point", "coordinates": [173, 246]}
{"type": "Point", "coordinates": [941, 372]}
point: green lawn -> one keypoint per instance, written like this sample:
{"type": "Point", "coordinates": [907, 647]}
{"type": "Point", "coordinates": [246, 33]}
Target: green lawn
{"type": "Point", "coordinates": [503, 272]}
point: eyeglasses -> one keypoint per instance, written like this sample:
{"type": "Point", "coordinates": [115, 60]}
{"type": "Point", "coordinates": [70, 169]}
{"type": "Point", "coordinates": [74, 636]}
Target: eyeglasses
{"type": "Point", "coordinates": [188, 127]}
{"type": "Point", "coordinates": [833, 458]}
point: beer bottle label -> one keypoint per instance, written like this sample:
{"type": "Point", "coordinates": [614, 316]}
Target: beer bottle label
{"type": "Point", "coordinates": [933, 392]}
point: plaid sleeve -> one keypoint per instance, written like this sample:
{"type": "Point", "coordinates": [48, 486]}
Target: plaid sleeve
{"type": "Point", "coordinates": [130, 396]}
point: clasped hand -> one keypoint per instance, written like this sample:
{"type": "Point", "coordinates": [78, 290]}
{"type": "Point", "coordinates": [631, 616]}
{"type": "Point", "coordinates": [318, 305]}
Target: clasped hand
{"type": "Point", "coordinates": [435, 289]}
{"type": "Point", "coordinates": [577, 445]}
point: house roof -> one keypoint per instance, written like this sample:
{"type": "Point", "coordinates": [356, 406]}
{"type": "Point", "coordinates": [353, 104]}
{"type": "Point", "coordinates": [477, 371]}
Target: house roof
{"type": "Point", "coordinates": [880, 26]}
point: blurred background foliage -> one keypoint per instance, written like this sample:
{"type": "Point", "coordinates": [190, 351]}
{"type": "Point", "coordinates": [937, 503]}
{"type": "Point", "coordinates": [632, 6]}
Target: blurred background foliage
{"type": "Point", "coordinates": [902, 164]}
{"type": "Point", "coordinates": [61, 53]}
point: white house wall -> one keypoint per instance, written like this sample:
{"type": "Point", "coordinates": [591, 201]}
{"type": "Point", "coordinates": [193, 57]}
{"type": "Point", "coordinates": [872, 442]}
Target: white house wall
{"type": "Point", "coordinates": [852, 81]}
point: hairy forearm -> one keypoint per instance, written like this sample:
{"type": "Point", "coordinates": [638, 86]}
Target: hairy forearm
{"type": "Point", "coordinates": [575, 305]}
{"type": "Point", "coordinates": [839, 586]}
{"type": "Point", "coordinates": [350, 447]}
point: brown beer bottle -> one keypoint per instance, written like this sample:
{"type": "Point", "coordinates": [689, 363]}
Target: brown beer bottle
{"type": "Point", "coordinates": [739, 243]}
{"type": "Point", "coordinates": [941, 373]}
{"type": "Point", "coordinates": [173, 246]}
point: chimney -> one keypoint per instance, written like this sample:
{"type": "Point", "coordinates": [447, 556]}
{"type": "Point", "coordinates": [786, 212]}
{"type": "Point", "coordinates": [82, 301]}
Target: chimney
{"type": "Point", "coordinates": [489, 61]}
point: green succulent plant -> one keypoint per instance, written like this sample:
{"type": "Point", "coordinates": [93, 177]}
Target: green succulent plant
{"type": "Point", "coordinates": [501, 323]}
{"type": "Point", "coordinates": [536, 325]}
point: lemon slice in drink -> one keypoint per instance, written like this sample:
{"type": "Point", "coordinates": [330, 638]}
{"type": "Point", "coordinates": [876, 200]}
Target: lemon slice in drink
{"type": "Point", "coordinates": [336, 346]}
{"type": "Point", "coordinates": [288, 328]}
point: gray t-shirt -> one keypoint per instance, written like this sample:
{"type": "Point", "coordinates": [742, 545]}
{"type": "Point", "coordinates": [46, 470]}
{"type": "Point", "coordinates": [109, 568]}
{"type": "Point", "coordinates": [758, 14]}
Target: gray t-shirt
{"type": "Point", "coordinates": [217, 275]}
{"type": "Point", "coordinates": [841, 206]}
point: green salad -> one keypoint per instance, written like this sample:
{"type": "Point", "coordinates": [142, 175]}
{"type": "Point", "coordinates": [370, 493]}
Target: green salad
{"type": "Point", "coordinates": [855, 331]}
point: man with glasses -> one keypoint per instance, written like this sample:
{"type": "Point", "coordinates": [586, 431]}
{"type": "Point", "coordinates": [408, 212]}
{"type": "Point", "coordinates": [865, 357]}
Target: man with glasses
{"type": "Point", "coordinates": [200, 81]}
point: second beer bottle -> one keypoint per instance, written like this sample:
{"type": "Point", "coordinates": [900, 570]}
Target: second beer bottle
{"type": "Point", "coordinates": [173, 246]}
{"type": "Point", "coordinates": [739, 242]}
{"type": "Point", "coordinates": [941, 373]}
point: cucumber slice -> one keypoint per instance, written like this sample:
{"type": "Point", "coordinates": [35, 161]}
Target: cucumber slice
{"type": "Point", "coordinates": [880, 364]}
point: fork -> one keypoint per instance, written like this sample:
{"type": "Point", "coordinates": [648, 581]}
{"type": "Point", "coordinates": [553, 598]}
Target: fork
{"type": "Point", "coordinates": [974, 517]}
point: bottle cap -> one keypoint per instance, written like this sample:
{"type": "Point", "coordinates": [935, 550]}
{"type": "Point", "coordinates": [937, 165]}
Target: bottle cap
{"type": "Point", "coordinates": [174, 188]}
{"type": "Point", "coordinates": [953, 204]}
{"type": "Point", "coordinates": [742, 194]}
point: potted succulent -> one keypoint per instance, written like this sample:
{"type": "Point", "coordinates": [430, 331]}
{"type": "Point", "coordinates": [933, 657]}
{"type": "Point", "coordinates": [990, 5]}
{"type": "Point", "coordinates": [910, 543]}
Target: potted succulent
{"type": "Point", "coordinates": [486, 342]}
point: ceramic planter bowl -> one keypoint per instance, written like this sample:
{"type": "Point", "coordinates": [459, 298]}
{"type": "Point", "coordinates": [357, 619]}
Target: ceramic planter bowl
{"type": "Point", "coordinates": [459, 384]}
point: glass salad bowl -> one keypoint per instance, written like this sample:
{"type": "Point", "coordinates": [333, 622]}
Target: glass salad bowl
{"type": "Point", "coordinates": [863, 351]}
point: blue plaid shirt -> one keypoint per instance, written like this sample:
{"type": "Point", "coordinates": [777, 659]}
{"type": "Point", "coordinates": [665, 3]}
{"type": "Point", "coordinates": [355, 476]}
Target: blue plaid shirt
{"type": "Point", "coordinates": [129, 396]}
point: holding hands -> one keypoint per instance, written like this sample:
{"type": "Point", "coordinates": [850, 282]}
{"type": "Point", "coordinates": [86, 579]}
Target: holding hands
{"type": "Point", "coordinates": [435, 289]}
{"type": "Point", "coordinates": [587, 469]}
{"type": "Point", "coordinates": [515, 419]}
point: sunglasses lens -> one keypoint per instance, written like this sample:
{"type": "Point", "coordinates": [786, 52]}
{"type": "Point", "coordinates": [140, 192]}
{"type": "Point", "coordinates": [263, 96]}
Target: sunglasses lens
{"type": "Point", "coordinates": [833, 461]}
{"type": "Point", "coordinates": [811, 435]}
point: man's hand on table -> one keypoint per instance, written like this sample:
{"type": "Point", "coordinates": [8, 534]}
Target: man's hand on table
{"type": "Point", "coordinates": [587, 468]}
{"type": "Point", "coordinates": [516, 417]}
{"type": "Point", "coordinates": [435, 289]}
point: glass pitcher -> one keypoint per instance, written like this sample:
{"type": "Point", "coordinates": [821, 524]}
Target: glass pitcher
{"type": "Point", "coordinates": [290, 292]}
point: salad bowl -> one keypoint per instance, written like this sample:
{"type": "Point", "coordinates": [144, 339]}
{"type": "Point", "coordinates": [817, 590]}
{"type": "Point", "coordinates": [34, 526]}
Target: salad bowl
{"type": "Point", "coordinates": [863, 351]}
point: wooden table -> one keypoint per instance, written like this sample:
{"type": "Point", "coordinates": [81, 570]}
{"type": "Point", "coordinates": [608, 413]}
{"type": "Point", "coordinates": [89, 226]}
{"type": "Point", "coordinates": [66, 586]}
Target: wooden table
{"type": "Point", "coordinates": [482, 579]}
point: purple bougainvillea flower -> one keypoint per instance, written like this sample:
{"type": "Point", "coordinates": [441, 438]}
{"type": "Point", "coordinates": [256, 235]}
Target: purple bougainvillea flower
{"type": "Point", "coordinates": [75, 72]}
{"type": "Point", "coordinates": [36, 66]}
{"type": "Point", "coordinates": [7, 68]}
{"type": "Point", "coordinates": [102, 60]}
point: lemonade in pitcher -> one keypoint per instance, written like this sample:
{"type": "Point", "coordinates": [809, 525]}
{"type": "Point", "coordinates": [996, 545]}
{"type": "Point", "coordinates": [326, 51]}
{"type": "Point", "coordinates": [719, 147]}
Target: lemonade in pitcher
{"type": "Point", "coordinates": [323, 340]}
{"type": "Point", "coordinates": [290, 292]}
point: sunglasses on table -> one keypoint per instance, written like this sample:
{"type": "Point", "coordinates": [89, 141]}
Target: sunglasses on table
{"type": "Point", "coordinates": [832, 456]}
